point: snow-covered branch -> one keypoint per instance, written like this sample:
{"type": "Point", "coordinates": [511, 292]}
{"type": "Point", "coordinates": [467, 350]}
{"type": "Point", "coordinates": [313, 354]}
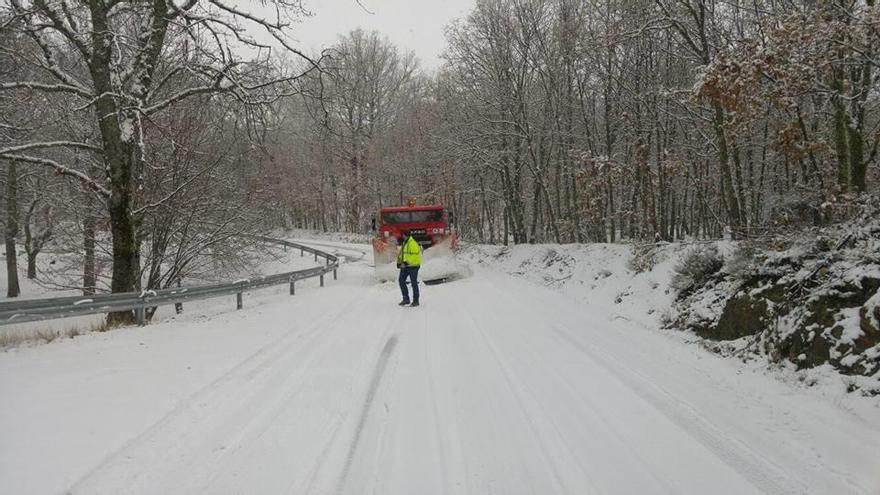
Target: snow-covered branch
{"type": "Point", "coordinates": [51, 62]}
{"type": "Point", "coordinates": [273, 28]}
{"type": "Point", "coordinates": [50, 88]}
{"type": "Point", "coordinates": [168, 197]}
{"type": "Point", "coordinates": [61, 170]}
{"type": "Point", "coordinates": [199, 90]}
{"type": "Point", "coordinates": [50, 144]}
{"type": "Point", "coordinates": [58, 23]}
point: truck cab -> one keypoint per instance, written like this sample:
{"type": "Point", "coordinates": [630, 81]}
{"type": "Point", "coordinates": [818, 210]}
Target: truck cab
{"type": "Point", "coordinates": [428, 224]}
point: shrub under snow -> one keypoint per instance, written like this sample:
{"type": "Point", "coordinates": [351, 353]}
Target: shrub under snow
{"type": "Point", "coordinates": [696, 267]}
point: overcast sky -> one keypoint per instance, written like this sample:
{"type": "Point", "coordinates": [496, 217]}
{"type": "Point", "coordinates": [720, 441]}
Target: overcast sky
{"type": "Point", "coordinates": [415, 25]}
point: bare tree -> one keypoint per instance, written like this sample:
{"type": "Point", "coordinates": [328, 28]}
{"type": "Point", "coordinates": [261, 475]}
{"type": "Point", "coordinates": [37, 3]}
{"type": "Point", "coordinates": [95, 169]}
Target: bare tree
{"type": "Point", "coordinates": [361, 101]}
{"type": "Point", "coordinates": [39, 220]}
{"type": "Point", "coordinates": [129, 62]}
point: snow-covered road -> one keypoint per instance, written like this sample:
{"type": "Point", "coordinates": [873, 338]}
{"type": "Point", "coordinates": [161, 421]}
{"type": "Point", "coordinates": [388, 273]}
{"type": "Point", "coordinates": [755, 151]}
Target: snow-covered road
{"type": "Point", "coordinates": [491, 386]}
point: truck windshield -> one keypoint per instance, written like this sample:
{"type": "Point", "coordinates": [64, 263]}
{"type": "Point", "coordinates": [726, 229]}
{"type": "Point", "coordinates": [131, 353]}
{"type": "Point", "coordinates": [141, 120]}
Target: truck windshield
{"type": "Point", "coordinates": [412, 216]}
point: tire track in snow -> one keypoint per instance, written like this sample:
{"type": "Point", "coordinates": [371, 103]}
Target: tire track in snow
{"type": "Point", "coordinates": [317, 474]}
{"type": "Point", "coordinates": [435, 410]}
{"type": "Point", "coordinates": [375, 380]}
{"type": "Point", "coordinates": [597, 413]}
{"type": "Point", "coordinates": [386, 431]}
{"type": "Point", "coordinates": [274, 409]}
{"type": "Point", "coordinates": [757, 469]}
{"type": "Point", "coordinates": [194, 409]}
{"type": "Point", "coordinates": [517, 393]}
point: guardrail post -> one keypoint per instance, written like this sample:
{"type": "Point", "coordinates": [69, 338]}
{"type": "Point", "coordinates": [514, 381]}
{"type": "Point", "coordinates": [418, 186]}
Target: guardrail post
{"type": "Point", "coordinates": [322, 280]}
{"type": "Point", "coordinates": [140, 312]}
{"type": "Point", "coordinates": [316, 256]}
{"type": "Point", "coordinates": [302, 252]}
{"type": "Point", "coordinates": [238, 302]}
{"type": "Point", "coordinates": [292, 291]}
{"type": "Point", "coordinates": [178, 307]}
{"type": "Point", "coordinates": [334, 274]}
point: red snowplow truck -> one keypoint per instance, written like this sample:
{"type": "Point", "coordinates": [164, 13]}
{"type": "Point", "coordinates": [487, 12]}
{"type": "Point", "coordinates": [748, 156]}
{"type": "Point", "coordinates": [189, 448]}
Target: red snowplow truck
{"type": "Point", "coordinates": [430, 225]}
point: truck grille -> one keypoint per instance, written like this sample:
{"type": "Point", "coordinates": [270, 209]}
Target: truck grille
{"type": "Point", "coordinates": [423, 239]}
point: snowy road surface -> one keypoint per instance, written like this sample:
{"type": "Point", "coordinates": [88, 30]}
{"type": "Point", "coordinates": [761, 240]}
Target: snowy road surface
{"type": "Point", "coordinates": [492, 386]}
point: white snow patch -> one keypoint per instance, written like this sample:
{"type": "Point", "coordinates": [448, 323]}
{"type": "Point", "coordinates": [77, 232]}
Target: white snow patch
{"type": "Point", "coordinates": [849, 321]}
{"type": "Point", "coordinates": [597, 274]}
{"type": "Point", "coordinates": [126, 129]}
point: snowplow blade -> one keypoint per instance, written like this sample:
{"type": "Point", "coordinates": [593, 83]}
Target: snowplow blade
{"type": "Point", "coordinates": [384, 257]}
{"type": "Point", "coordinates": [438, 262]}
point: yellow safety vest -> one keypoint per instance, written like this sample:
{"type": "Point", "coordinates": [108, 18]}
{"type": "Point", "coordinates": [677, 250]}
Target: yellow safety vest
{"type": "Point", "coordinates": [410, 253]}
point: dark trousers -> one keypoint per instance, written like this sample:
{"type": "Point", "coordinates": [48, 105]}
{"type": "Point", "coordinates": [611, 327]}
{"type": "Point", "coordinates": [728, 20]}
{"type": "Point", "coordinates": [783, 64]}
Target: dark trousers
{"type": "Point", "coordinates": [411, 272]}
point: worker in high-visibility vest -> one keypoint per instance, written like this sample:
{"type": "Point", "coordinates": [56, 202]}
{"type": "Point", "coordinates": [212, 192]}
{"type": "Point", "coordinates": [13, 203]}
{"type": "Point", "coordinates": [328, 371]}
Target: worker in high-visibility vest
{"type": "Point", "coordinates": [408, 261]}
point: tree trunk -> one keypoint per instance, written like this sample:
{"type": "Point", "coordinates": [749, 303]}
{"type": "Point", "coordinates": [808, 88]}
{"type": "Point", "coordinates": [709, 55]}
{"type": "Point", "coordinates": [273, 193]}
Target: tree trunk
{"type": "Point", "coordinates": [611, 235]}
{"type": "Point", "coordinates": [863, 80]}
{"type": "Point", "coordinates": [32, 245]}
{"type": "Point", "coordinates": [119, 157]}
{"type": "Point", "coordinates": [484, 210]}
{"type": "Point", "coordinates": [506, 223]}
{"type": "Point", "coordinates": [12, 288]}
{"type": "Point", "coordinates": [89, 275]}
{"type": "Point", "coordinates": [858, 168]}
{"type": "Point", "coordinates": [839, 122]}
{"type": "Point", "coordinates": [728, 194]}
{"type": "Point", "coordinates": [32, 266]}
{"type": "Point", "coordinates": [840, 143]}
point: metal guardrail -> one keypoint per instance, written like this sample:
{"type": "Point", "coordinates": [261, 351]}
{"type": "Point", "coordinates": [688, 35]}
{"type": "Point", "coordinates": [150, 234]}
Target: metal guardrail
{"type": "Point", "coordinates": [65, 307]}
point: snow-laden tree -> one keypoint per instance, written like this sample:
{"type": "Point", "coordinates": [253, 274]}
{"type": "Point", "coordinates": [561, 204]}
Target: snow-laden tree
{"type": "Point", "coordinates": [369, 85]}
{"type": "Point", "coordinates": [660, 119]}
{"type": "Point", "coordinates": [127, 63]}
{"type": "Point", "coordinates": [811, 76]}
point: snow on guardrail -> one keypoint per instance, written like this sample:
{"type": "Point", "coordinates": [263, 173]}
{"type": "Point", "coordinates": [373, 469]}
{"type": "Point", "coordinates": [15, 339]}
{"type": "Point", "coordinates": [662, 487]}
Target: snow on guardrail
{"type": "Point", "coordinates": [69, 306]}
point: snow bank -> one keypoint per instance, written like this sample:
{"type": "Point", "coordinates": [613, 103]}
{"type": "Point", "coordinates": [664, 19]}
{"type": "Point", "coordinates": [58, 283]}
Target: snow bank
{"type": "Point", "coordinates": [805, 300]}
{"type": "Point", "coordinates": [599, 274]}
